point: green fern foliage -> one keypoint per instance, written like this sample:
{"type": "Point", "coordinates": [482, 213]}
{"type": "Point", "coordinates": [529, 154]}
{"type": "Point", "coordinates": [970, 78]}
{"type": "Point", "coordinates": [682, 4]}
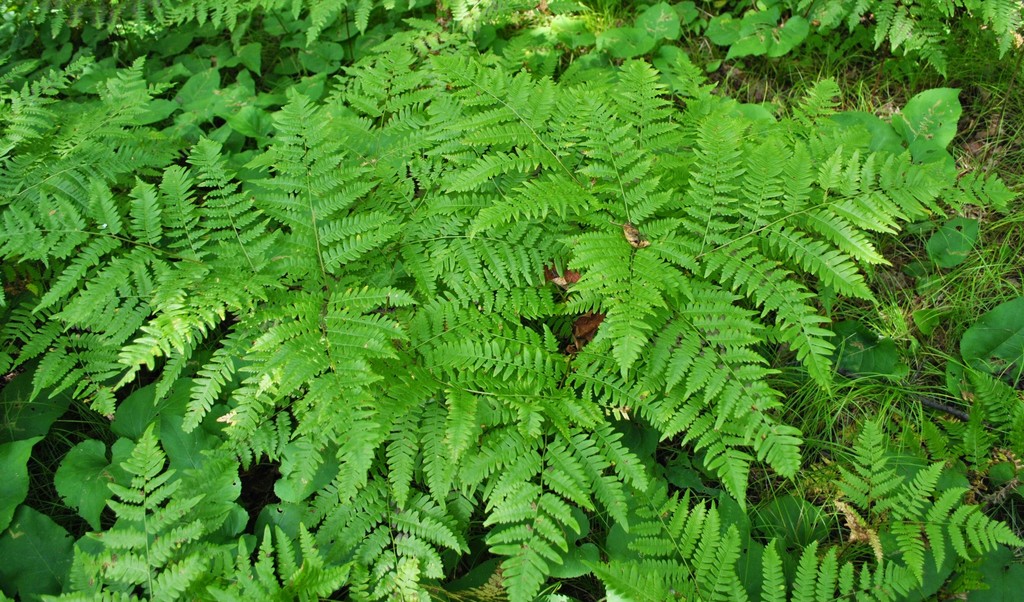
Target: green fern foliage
{"type": "Point", "coordinates": [281, 572]}
{"type": "Point", "coordinates": [160, 542]}
{"type": "Point", "coordinates": [140, 15]}
{"type": "Point", "coordinates": [923, 519]}
{"type": "Point", "coordinates": [920, 27]}
{"type": "Point", "coordinates": [463, 312]}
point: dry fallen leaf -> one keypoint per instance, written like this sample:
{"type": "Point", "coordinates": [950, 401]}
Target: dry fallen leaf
{"type": "Point", "coordinates": [583, 330]}
{"type": "Point", "coordinates": [567, 279]}
{"type": "Point", "coordinates": [859, 529]}
{"type": "Point", "coordinates": [633, 236]}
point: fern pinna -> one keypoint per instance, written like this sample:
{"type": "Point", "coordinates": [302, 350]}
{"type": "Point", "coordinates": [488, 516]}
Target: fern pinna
{"type": "Point", "coordinates": [387, 301]}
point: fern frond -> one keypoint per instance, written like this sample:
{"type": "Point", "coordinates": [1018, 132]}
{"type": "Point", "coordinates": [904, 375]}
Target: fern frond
{"type": "Point", "coordinates": [968, 526]}
{"type": "Point", "coordinates": [534, 200]}
{"type": "Point", "coordinates": [872, 479]}
{"type": "Point", "coordinates": [636, 581]}
{"type": "Point", "coordinates": [841, 233]}
{"type": "Point", "coordinates": [89, 257]}
{"type": "Point", "coordinates": [402, 449]}
{"type": "Point", "coordinates": [773, 580]}
{"type": "Point", "coordinates": [804, 585]}
{"type": "Point", "coordinates": [275, 574]}
{"type": "Point", "coordinates": [820, 101]}
{"type": "Point", "coordinates": [212, 378]}
{"type": "Point", "coordinates": [799, 324]}
{"type": "Point", "coordinates": [630, 284]}
{"type": "Point", "coordinates": [686, 547]}
{"type": "Point", "coordinates": [978, 189]}
{"type": "Point", "coordinates": [230, 219]}
{"type": "Point", "coordinates": [531, 537]}
{"type": "Point", "coordinates": [834, 268]}
{"type": "Point", "coordinates": [145, 214]}
{"type": "Point", "coordinates": [160, 541]}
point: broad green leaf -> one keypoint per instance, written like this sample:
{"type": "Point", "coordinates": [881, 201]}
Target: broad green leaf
{"type": "Point", "coordinates": [687, 11]}
{"type": "Point", "coordinates": [478, 575]}
{"type": "Point", "coordinates": [292, 488]}
{"type": "Point", "coordinates": [251, 56]}
{"type": "Point", "coordinates": [995, 343]}
{"type": "Point", "coordinates": [616, 544]}
{"type": "Point", "coordinates": [322, 57]}
{"type": "Point", "coordinates": [1004, 576]}
{"type": "Point", "coordinates": [757, 33]}
{"type": "Point", "coordinates": [724, 30]}
{"type": "Point", "coordinates": [120, 451]}
{"type": "Point", "coordinates": [141, 408]}
{"type": "Point", "coordinates": [158, 109]}
{"type": "Point", "coordinates": [22, 417]}
{"type": "Point", "coordinates": [312, 86]}
{"type": "Point", "coordinates": [175, 41]}
{"type": "Point", "coordinates": [572, 32]}
{"type": "Point", "coordinates": [14, 476]}
{"type": "Point", "coordinates": [953, 243]}
{"type": "Point", "coordinates": [199, 94]}
{"type": "Point", "coordinates": [862, 352]}
{"type": "Point", "coordinates": [286, 516]}
{"type": "Point", "coordinates": [752, 45]}
{"type": "Point", "coordinates": [734, 514]}
{"type": "Point", "coordinates": [928, 123]}
{"type": "Point", "coordinates": [789, 36]}
{"type": "Point", "coordinates": [625, 42]}
{"type": "Point", "coordinates": [755, 113]}
{"type": "Point", "coordinates": [956, 379]}
{"type": "Point", "coordinates": [883, 137]}
{"type": "Point", "coordinates": [36, 555]}
{"type": "Point", "coordinates": [660, 22]}
{"type": "Point", "coordinates": [1002, 473]}
{"type": "Point", "coordinates": [252, 122]}
{"type": "Point", "coordinates": [235, 523]}
{"type": "Point", "coordinates": [576, 562]}
{"type": "Point", "coordinates": [759, 20]}
{"type": "Point", "coordinates": [184, 450]}
{"type": "Point", "coordinates": [82, 478]}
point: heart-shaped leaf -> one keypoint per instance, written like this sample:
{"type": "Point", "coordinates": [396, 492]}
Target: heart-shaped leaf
{"type": "Point", "coordinates": [1004, 576]}
{"type": "Point", "coordinates": [36, 555]}
{"type": "Point", "coordinates": [953, 243]}
{"type": "Point", "coordinates": [82, 480]}
{"type": "Point", "coordinates": [995, 343]}
{"type": "Point", "coordinates": [862, 352]}
{"type": "Point", "coordinates": [788, 37]}
{"type": "Point", "coordinates": [928, 123]}
{"type": "Point", "coordinates": [14, 484]}
{"type": "Point", "coordinates": [660, 21]}
{"type": "Point", "coordinates": [21, 416]}
{"type": "Point", "coordinates": [625, 42]}
{"type": "Point", "coordinates": [724, 30]}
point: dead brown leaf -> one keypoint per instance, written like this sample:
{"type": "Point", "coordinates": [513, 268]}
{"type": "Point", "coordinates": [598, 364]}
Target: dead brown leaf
{"type": "Point", "coordinates": [567, 279]}
{"type": "Point", "coordinates": [584, 329]}
{"type": "Point", "coordinates": [634, 237]}
{"type": "Point", "coordinates": [859, 529]}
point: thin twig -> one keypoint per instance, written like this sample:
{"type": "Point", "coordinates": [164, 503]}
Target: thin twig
{"type": "Point", "coordinates": [954, 412]}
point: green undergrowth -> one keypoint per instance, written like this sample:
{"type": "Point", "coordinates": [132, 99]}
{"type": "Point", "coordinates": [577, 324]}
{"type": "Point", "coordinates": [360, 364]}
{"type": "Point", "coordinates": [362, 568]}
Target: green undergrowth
{"type": "Point", "coordinates": [410, 300]}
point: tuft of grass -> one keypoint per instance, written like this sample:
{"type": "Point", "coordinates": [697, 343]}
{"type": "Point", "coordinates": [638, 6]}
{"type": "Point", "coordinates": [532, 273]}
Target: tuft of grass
{"type": "Point", "coordinates": [600, 15]}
